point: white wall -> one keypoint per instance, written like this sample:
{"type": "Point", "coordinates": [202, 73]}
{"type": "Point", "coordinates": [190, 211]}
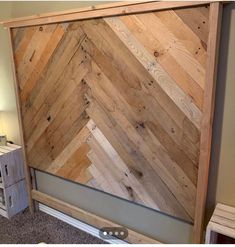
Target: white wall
{"type": "Point", "coordinates": [7, 95]}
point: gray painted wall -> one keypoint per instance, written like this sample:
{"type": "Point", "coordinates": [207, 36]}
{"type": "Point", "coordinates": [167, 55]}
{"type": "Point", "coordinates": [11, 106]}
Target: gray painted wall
{"type": "Point", "coordinates": [222, 169]}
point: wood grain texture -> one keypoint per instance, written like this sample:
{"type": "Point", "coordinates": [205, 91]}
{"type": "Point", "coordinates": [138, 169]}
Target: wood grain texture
{"type": "Point", "coordinates": [89, 218]}
{"type": "Point", "coordinates": [111, 9]}
{"type": "Point", "coordinates": [115, 103]}
{"type": "Point", "coordinates": [208, 114]}
{"type": "Point", "coordinates": [222, 222]}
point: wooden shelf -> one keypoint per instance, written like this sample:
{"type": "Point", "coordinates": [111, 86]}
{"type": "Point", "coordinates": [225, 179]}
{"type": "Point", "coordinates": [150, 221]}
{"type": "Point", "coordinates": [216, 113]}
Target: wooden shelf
{"type": "Point", "coordinates": [222, 222]}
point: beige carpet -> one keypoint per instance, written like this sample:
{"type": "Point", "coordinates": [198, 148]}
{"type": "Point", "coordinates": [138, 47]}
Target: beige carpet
{"type": "Point", "coordinates": [40, 227]}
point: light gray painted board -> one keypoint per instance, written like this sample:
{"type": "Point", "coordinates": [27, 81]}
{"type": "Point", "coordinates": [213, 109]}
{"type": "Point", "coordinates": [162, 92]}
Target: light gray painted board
{"type": "Point", "coordinates": [19, 198]}
{"type": "Point", "coordinates": [12, 167]}
{"type": "Point", "coordinates": [149, 222]}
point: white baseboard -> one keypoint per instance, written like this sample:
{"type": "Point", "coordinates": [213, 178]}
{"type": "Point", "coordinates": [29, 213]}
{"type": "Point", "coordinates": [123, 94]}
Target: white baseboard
{"type": "Point", "coordinates": [76, 223]}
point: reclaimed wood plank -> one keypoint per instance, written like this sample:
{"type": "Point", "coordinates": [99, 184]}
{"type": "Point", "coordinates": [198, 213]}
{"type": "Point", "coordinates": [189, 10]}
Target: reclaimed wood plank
{"type": "Point", "coordinates": [131, 132]}
{"type": "Point", "coordinates": [126, 179]}
{"type": "Point", "coordinates": [182, 100]}
{"type": "Point", "coordinates": [33, 53]}
{"type": "Point", "coordinates": [134, 160]}
{"type": "Point", "coordinates": [43, 60]}
{"type": "Point", "coordinates": [197, 19]}
{"type": "Point", "coordinates": [87, 217]}
{"type": "Point", "coordinates": [207, 120]}
{"type": "Point", "coordinates": [69, 150]}
{"type": "Point", "coordinates": [102, 12]}
{"type": "Point", "coordinates": [178, 73]}
{"type": "Point", "coordinates": [76, 166]}
{"type": "Point", "coordinates": [140, 97]}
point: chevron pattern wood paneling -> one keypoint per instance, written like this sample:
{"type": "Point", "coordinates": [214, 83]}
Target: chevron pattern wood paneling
{"type": "Point", "coordinates": [115, 103]}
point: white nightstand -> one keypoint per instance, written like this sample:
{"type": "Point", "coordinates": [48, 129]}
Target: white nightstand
{"type": "Point", "coordinates": [13, 194]}
{"type": "Point", "coordinates": [222, 222]}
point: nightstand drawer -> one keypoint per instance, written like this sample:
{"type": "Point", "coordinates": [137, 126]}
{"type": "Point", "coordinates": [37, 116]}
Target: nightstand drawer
{"type": "Point", "coordinates": [11, 166]}
{"type": "Point", "coordinates": [14, 199]}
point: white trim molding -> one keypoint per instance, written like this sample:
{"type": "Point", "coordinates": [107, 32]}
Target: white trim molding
{"type": "Point", "coordinates": [77, 223]}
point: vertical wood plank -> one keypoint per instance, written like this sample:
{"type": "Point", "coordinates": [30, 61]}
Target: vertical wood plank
{"type": "Point", "coordinates": [26, 168]}
{"type": "Point", "coordinates": [207, 119]}
{"type": "Point", "coordinates": [34, 186]}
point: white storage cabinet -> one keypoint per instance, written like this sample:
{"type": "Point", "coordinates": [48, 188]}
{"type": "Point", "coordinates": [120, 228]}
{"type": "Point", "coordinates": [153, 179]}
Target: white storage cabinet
{"type": "Point", "coordinates": [13, 193]}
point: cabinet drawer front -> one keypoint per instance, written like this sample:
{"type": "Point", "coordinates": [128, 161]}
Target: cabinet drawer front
{"type": "Point", "coordinates": [16, 198]}
{"type": "Point", "coordinates": [11, 167]}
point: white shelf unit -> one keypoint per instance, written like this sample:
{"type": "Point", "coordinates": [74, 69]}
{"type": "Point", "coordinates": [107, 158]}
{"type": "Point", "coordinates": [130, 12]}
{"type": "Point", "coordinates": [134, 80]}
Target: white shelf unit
{"type": "Point", "coordinates": [222, 222]}
{"type": "Point", "coordinates": [13, 194]}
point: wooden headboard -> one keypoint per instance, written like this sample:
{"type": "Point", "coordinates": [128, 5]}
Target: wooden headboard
{"type": "Point", "coordinates": [120, 98]}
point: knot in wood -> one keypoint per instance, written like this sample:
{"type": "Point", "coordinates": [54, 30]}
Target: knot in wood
{"type": "Point", "coordinates": [156, 54]}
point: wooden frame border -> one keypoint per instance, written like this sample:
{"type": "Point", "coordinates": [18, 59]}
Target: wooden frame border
{"type": "Point", "coordinates": [16, 89]}
{"type": "Point", "coordinates": [122, 8]}
{"type": "Point", "coordinates": [215, 18]}
{"type": "Point", "coordinates": [116, 9]}
{"type": "Point", "coordinates": [89, 218]}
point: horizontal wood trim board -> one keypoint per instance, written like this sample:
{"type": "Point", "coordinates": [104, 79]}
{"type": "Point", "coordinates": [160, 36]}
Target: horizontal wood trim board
{"type": "Point", "coordinates": [89, 218]}
{"type": "Point", "coordinates": [95, 12]}
{"type": "Point", "coordinates": [76, 10]}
